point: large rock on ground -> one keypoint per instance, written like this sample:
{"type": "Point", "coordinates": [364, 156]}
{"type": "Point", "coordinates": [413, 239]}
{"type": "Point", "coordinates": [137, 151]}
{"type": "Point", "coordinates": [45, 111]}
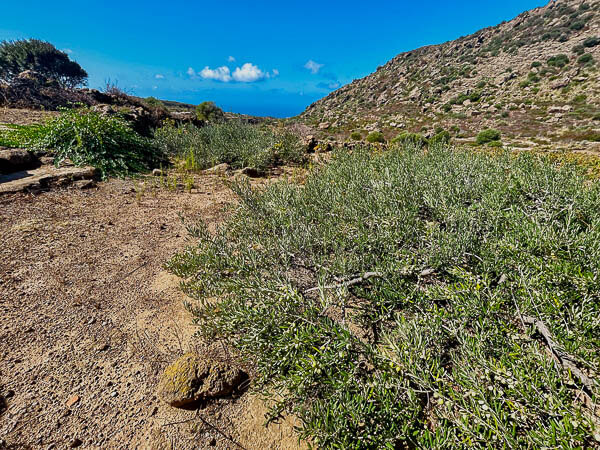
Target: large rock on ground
{"type": "Point", "coordinates": [191, 379]}
{"type": "Point", "coordinates": [15, 159]}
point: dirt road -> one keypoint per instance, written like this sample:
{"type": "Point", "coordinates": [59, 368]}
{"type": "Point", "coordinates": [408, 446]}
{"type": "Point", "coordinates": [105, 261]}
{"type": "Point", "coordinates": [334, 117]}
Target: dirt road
{"type": "Point", "coordinates": [89, 318]}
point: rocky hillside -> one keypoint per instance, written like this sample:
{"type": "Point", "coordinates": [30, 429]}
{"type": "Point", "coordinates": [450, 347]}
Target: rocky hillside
{"type": "Point", "coordinates": [535, 78]}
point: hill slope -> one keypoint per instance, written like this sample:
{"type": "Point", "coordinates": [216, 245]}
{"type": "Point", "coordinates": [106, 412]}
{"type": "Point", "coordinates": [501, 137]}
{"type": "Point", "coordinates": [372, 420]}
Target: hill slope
{"type": "Point", "coordinates": [535, 76]}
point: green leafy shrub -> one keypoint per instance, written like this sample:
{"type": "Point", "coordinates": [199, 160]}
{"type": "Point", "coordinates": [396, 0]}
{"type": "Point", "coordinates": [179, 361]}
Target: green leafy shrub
{"type": "Point", "coordinates": [376, 137]}
{"type": "Point", "coordinates": [356, 136]}
{"type": "Point", "coordinates": [577, 25]}
{"type": "Point", "coordinates": [406, 138]}
{"type": "Point", "coordinates": [442, 137]}
{"type": "Point", "coordinates": [536, 64]}
{"type": "Point", "coordinates": [105, 142]}
{"type": "Point", "coordinates": [579, 49]}
{"type": "Point", "coordinates": [383, 302]}
{"type": "Point", "coordinates": [558, 61]}
{"type": "Point", "coordinates": [39, 56]}
{"type": "Point", "coordinates": [585, 58]}
{"type": "Point", "coordinates": [209, 112]}
{"type": "Point", "coordinates": [489, 135]}
{"type": "Point", "coordinates": [153, 102]}
{"type": "Point", "coordinates": [235, 143]}
{"type": "Point", "coordinates": [591, 42]}
{"type": "Point", "coordinates": [18, 136]}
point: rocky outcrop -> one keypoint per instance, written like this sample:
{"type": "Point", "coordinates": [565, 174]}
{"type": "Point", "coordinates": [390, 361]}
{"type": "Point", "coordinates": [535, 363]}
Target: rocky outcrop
{"type": "Point", "coordinates": [16, 159]}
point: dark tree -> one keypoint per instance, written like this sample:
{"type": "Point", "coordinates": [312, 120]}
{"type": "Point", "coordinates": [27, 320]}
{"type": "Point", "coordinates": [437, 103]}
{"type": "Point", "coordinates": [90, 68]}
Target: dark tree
{"type": "Point", "coordinates": [41, 57]}
{"type": "Point", "coordinates": [210, 112]}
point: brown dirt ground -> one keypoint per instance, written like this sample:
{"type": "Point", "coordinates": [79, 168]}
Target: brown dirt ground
{"type": "Point", "coordinates": [88, 310]}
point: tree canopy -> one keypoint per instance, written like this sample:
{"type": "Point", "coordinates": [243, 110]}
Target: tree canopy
{"type": "Point", "coordinates": [43, 57]}
{"type": "Point", "coordinates": [210, 112]}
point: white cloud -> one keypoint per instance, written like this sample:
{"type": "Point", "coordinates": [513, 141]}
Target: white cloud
{"type": "Point", "coordinates": [154, 87]}
{"type": "Point", "coordinates": [68, 51]}
{"type": "Point", "coordinates": [159, 76]}
{"type": "Point", "coordinates": [231, 59]}
{"type": "Point", "coordinates": [248, 73]}
{"type": "Point", "coordinates": [220, 73]}
{"type": "Point", "coordinates": [314, 67]}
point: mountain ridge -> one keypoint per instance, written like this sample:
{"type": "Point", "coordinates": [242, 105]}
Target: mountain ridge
{"type": "Point", "coordinates": [534, 76]}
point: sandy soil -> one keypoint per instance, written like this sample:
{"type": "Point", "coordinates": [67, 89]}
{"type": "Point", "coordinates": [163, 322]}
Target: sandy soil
{"type": "Point", "coordinates": [90, 318]}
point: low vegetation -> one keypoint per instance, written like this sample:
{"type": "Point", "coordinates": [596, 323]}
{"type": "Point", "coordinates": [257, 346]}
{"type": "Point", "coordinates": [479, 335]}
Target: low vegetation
{"type": "Point", "coordinates": [376, 137]}
{"type": "Point", "coordinates": [487, 136]}
{"type": "Point", "coordinates": [235, 143]}
{"type": "Point", "coordinates": [413, 299]}
{"type": "Point", "coordinates": [88, 138]}
{"type": "Point", "coordinates": [410, 138]}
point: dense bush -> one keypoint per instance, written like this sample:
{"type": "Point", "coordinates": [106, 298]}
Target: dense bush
{"type": "Point", "coordinates": [579, 49]}
{"type": "Point", "coordinates": [488, 135]}
{"type": "Point", "coordinates": [577, 25]}
{"type": "Point", "coordinates": [209, 112]}
{"type": "Point", "coordinates": [356, 136]}
{"type": "Point", "coordinates": [39, 56]}
{"type": "Point", "coordinates": [558, 61]}
{"type": "Point", "coordinates": [591, 41]}
{"type": "Point", "coordinates": [384, 301]}
{"type": "Point", "coordinates": [405, 138]}
{"type": "Point", "coordinates": [440, 138]}
{"type": "Point", "coordinates": [585, 58]}
{"type": "Point", "coordinates": [89, 138]}
{"type": "Point", "coordinates": [376, 137]}
{"type": "Point", "coordinates": [235, 143]}
{"type": "Point", "coordinates": [153, 102]}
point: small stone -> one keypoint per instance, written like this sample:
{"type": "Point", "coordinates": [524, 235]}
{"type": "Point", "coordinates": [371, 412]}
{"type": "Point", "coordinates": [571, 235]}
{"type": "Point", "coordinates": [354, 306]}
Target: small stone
{"type": "Point", "coordinates": [72, 400]}
{"type": "Point", "coordinates": [91, 321]}
{"type": "Point", "coordinates": [157, 173]}
{"type": "Point", "coordinates": [84, 184]}
{"type": "Point", "coordinates": [114, 394]}
{"type": "Point", "coordinates": [212, 442]}
{"type": "Point", "coordinates": [76, 443]}
{"type": "Point", "coordinates": [103, 347]}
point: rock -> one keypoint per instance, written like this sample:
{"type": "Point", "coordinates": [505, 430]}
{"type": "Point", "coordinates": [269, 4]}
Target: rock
{"type": "Point", "coordinates": [252, 172]}
{"type": "Point", "coordinates": [43, 178]}
{"type": "Point", "coordinates": [84, 184]}
{"type": "Point", "coordinates": [218, 169]}
{"type": "Point", "coordinates": [76, 443]}
{"type": "Point", "coordinates": [558, 84]}
{"type": "Point", "coordinates": [309, 143]}
{"type": "Point", "coordinates": [191, 379]}
{"type": "Point", "coordinates": [13, 160]}
{"type": "Point", "coordinates": [157, 173]}
{"type": "Point", "coordinates": [72, 401]}
{"type": "Point", "coordinates": [323, 125]}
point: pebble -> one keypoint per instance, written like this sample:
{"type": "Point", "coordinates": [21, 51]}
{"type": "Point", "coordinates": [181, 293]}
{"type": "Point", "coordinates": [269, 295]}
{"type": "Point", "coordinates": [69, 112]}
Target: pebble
{"type": "Point", "coordinates": [72, 400]}
{"type": "Point", "coordinates": [114, 394]}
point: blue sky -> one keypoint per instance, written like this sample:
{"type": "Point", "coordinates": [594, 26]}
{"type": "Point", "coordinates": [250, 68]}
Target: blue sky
{"type": "Point", "coordinates": [263, 58]}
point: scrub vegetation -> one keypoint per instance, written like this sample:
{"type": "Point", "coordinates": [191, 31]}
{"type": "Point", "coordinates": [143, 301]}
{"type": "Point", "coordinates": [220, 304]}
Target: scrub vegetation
{"type": "Point", "coordinates": [409, 298]}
